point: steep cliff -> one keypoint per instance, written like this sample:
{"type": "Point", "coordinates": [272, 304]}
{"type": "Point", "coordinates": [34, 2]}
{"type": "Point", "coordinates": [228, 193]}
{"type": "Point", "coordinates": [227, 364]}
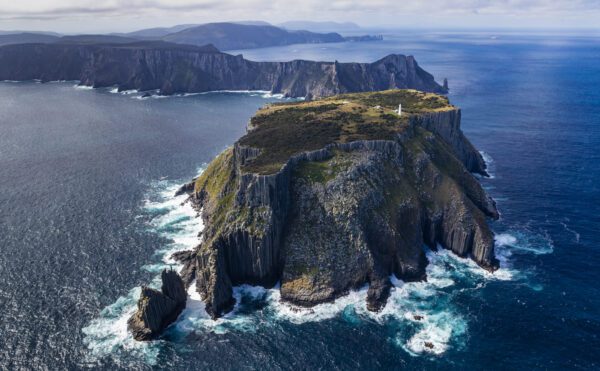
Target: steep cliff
{"type": "Point", "coordinates": [326, 196]}
{"type": "Point", "coordinates": [173, 68]}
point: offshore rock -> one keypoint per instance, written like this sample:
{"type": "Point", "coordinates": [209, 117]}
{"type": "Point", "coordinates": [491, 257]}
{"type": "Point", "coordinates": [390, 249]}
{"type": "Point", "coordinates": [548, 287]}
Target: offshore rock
{"type": "Point", "coordinates": [327, 196]}
{"type": "Point", "coordinates": [158, 309]}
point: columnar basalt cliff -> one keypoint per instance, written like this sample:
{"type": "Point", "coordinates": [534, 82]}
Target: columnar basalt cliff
{"type": "Point", "coordinates": [173, 68]}
{"type": "Point", "coordinates": [329, 195]}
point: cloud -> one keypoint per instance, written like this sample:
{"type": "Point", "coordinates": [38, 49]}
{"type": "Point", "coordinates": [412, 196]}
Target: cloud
{"type": "Point", "coordinates": [79, 7]}
{"type": "Point", "coordinates": [368, 12]}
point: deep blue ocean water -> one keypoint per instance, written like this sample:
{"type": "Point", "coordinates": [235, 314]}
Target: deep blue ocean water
{"type": "Point", "coordinates": [87, 215]}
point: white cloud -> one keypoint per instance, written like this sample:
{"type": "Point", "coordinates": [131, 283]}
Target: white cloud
{"type": "Point", "coordinates": [123, 13]}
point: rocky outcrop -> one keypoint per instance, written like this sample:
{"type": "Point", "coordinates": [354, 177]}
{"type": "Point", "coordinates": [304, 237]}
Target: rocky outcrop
{"type": "Point", "coordinates": [188, 260]}
{"type": "Point", "coordinates": [186, 188]}
{"type": "Point", "coordinates": [158, 309]}
{"type": "Point", "coordinates": [333, 219]}
{"type": "Point", "coordinates": [173, 68]}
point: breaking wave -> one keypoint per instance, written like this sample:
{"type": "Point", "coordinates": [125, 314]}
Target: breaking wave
{"type": "Point", "coordinates": [174, 219]}
{"type": "Point", "coordinates": [489, 164]}
{"type": "Point", "coordinates": [83, 87]}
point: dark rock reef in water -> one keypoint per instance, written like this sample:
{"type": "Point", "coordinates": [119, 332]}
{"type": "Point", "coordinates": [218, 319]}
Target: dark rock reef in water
{"type": "Point", "coordinates": [329, 195]}
{"type": "Point", "coordinates": [172, 68]}
{"type": "Point", "coordinates": [158, 309]}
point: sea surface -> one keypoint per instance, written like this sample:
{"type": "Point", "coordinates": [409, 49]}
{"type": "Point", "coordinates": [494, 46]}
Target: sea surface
{"type": "Point", "coordinates": [88, 215]}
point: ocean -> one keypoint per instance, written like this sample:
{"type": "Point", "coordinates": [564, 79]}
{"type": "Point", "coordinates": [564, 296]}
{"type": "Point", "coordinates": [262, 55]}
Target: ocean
{"type": "Point", "coordinates": [88, 215]}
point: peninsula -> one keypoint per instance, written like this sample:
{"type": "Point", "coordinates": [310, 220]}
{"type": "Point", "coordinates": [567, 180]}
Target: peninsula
{"type": "Point", "coordinates": [166, 68]}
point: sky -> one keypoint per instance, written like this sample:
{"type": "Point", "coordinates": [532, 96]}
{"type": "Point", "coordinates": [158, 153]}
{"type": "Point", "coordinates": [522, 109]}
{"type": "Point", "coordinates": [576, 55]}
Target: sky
{"type": "Point", "coordinates": [98, 16]}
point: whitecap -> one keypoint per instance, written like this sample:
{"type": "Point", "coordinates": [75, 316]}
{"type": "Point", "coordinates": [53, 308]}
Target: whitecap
{"type": "Point", "coordinates": [524, 241]}
{"type": "Point", "coordinates": [489, 164]}
{"type": "Point", "coordinates": [174, 219]}
{"type": "Point", "coordinates": [83, 87]}
{"type": "Point", "coordinates": [274, 96]}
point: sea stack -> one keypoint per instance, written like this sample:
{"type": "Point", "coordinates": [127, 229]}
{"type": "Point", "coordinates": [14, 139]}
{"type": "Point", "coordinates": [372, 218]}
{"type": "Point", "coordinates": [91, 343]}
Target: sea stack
{"type": "Point", "coordinates": [329, 195]}
{"type": "Point", "coordinates": [158, 309]}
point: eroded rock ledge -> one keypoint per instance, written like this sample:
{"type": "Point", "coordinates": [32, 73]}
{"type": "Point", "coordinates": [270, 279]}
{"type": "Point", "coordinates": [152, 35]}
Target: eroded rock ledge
{"type": "Point", "coordinates": [327, 196]}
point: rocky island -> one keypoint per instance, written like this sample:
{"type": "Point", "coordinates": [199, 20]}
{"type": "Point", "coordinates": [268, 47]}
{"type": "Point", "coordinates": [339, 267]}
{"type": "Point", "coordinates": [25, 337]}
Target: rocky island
{"type": "Point", "coordinates": [329, 195]}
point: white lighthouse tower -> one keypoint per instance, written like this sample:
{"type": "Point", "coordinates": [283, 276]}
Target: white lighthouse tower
{"type": "Point", "coordinates": [400, 110]}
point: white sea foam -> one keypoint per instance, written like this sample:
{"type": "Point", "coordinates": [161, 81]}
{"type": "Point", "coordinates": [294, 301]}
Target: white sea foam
{"type": "Point", "coordinates": [576, 234]}
{"type": "Point", "coordinates": [270, 95]}
{"type": "Point", "coordinates": [83, 87]}
{"type": "Point", "coordinates": [523, 241]}
{"type": "Point", "coordinates": [254, 93]}
{"type": "Point", "coordinates": [174, 219]}
{"type": "Point", "coordinates": [489, 164]}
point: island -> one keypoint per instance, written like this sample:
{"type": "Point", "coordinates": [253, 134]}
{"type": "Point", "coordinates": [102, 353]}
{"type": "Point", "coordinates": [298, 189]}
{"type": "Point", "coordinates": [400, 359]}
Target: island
{"type": "Point", "coordinates": [163, 68]}
{"type": "Point", "coordinates": [326, 196]}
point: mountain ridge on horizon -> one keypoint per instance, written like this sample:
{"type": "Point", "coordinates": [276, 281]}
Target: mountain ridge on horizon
{"type": "Point", "coordinates": [223, 35]}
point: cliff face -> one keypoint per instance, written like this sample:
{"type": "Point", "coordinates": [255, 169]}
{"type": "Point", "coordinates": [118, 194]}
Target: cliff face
{"type": "Point", "coordinates": [171, 68]}
{"type": "Point", "coordinates": [352, 198]}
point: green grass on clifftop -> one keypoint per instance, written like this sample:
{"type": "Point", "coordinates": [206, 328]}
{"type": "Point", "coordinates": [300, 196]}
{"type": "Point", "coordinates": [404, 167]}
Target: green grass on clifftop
{"type": "Point", "coordinates": [286, 129]}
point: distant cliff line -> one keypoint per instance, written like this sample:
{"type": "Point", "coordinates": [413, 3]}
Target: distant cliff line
{"type": "Point", "coordinates": [174, 69]}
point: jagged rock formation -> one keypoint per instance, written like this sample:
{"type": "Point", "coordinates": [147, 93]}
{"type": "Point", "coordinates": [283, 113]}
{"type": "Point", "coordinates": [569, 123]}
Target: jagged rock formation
{"type": "Point", "coordinates": [158, 309]}
{"type": "Point", "coordinates": [172, 68]}
{"type": "Point", "coordinates": [326, 196]}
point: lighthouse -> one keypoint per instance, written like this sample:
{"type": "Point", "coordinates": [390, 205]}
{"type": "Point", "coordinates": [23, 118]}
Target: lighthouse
{"type": "Point", "coordinates": [400, 110]}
